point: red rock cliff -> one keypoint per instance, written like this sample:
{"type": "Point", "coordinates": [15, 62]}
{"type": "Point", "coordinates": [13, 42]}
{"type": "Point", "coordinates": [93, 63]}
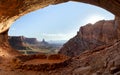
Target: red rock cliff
{"type": "Point", "coordinates": [21, 42]}
{"type": "Point", "coordinates": [92, 36]}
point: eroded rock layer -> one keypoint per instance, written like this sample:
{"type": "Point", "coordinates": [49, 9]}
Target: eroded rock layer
{"type": "Point", "coordinates": [21, 42]}
{"type": "Point", "coordinates": [102, 33]}
{"type": "Point", "coordinates": [6, 50]}
{"type": "Point", "coordinates": [101, 58]}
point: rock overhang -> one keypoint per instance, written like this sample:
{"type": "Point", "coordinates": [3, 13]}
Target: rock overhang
{"type": "Point", "coordinates": [14, 9]}
{"type": "Point", "coordinates": [10, 10]}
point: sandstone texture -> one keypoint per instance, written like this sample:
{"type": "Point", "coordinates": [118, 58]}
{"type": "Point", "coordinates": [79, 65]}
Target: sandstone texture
{"type": "Point", "coordinates": [100, 57]}
{"type": "Point", "coordinates": [6, 51]}
{"type": "Point", "coordinates": [90, 36]}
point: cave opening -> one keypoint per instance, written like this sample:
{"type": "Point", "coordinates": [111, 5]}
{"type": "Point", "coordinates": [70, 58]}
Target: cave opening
{"type": "Point", "coordinates": [104, 59]}
{"type": "Point", "coordinates": [48, 29]}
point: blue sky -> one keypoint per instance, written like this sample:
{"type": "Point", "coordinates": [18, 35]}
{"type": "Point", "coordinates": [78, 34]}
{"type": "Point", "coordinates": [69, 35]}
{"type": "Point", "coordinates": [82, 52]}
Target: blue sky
{"type": "Point", "coordinates": [58, 22]}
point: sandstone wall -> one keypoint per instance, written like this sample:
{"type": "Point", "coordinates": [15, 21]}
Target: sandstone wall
{"type": "Point", "coordinates": [6, 50]}
{"type": "Point", "coordinates": [102, 33]}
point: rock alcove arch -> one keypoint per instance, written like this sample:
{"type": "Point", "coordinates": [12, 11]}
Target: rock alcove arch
{"type": "Point", "coordinates": [13, 9]}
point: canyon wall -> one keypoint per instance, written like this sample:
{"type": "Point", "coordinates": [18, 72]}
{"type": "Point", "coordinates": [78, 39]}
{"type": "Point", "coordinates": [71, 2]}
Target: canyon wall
{"type": "Point", "coordinates": [91, 36]}
{"type": "Point", "coordinates": [21, 42]}
{"type": "Point", "coordinates": [25, 43]}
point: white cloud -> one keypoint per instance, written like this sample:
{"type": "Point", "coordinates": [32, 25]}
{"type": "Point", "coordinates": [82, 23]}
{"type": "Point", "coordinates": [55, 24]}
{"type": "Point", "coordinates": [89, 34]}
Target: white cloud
{"type": "Point", "coordinates": [94, 18]}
